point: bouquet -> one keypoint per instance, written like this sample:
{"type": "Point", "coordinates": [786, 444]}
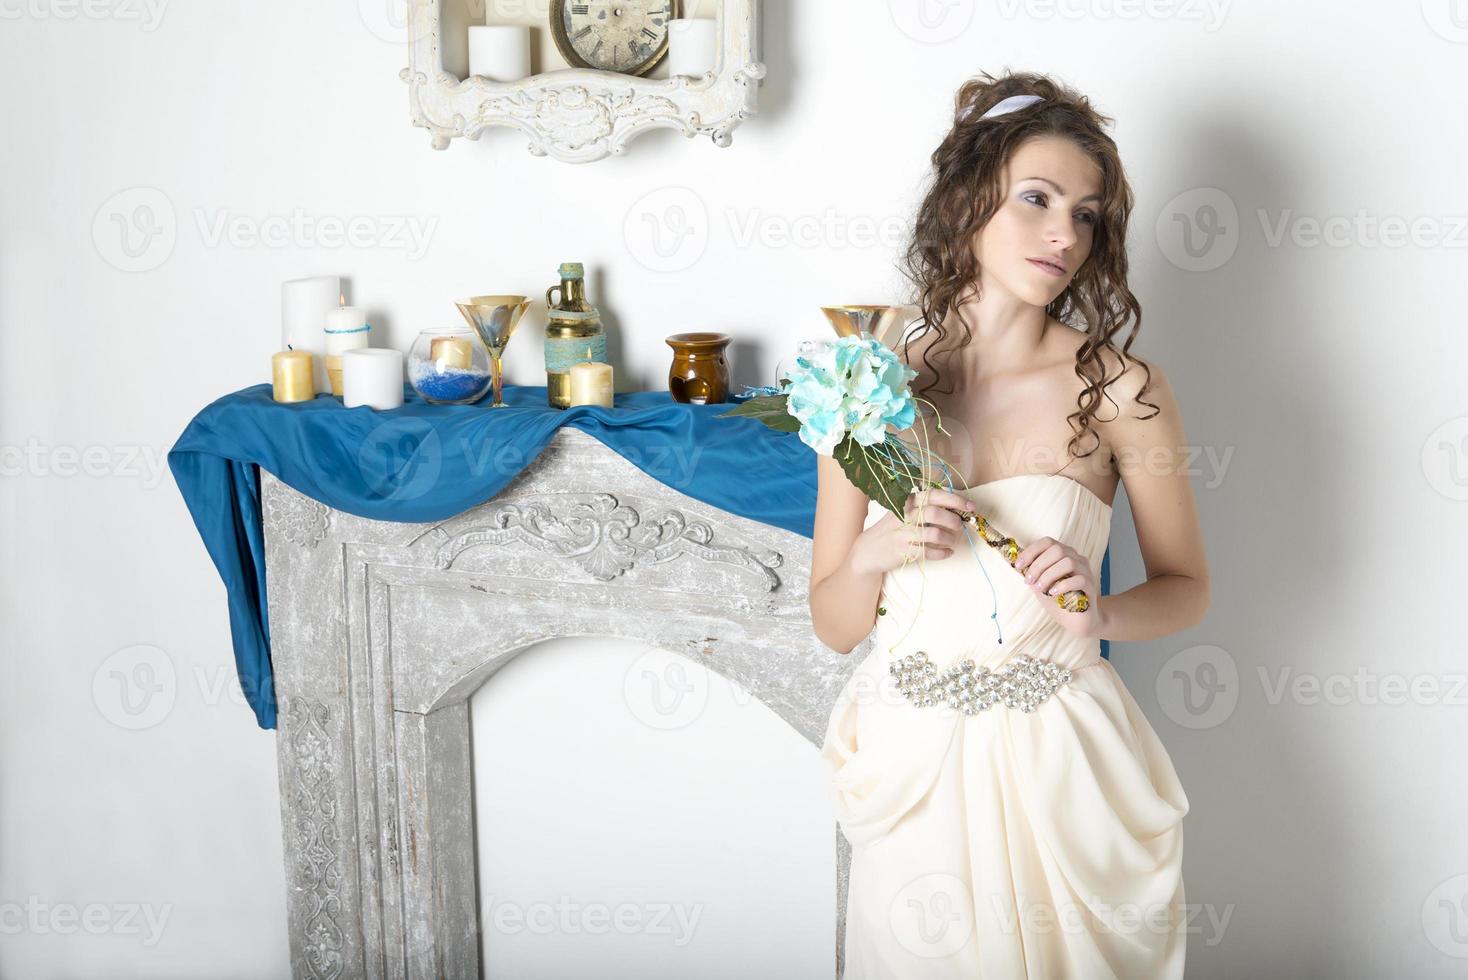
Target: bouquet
{"type": "Point", "coordinates": [841, 400]}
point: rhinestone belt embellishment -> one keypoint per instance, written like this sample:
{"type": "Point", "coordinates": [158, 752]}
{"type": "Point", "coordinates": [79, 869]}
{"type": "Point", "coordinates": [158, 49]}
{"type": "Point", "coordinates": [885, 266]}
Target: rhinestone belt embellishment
{"type": "Point", "coordinates": [1022, 683]}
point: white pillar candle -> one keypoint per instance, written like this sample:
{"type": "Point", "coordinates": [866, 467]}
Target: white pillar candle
{"type": "Point", "coordinates": [372, 376]}
{"type": "Point", "coordinates": [303, 306]}
{"type": "Point", "coordinates": [591, 384]}
{"type": "Point", "coordinates": [346, 329]}
{"type": "Point", "coordinates": [693, 45]}
{"type": "Point", "coordinates": [500, 52]}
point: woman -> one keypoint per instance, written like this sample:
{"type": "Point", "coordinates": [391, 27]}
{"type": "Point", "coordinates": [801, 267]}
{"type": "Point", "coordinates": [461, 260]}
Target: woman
{"type": "Point", "coordinates": [998, 841]}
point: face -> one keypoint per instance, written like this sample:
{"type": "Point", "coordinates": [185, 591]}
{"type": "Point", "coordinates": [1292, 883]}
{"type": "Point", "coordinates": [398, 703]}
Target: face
{"type": "Point", "coordinates": [1050, 205]}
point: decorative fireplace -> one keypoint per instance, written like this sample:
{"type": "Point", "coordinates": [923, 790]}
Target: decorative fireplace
{"type": "Point", "coordinates": [380, 632]}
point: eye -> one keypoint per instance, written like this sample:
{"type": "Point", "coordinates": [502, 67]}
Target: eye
{"type": "Point", "coordinates": [1089, 217]}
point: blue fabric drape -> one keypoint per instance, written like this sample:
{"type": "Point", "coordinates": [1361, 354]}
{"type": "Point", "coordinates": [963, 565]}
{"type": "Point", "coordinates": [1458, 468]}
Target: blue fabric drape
{"type": "Point", "coordinates": [423, 463]}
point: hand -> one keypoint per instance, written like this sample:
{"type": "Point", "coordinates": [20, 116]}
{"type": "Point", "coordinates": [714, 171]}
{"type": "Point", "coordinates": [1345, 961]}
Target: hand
{"type": "Point", "coordinates": [1053, 569]}
{"type": "Point", "coordinates": [930, 531]}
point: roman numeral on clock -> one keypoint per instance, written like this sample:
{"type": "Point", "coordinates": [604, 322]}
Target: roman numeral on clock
{"type": "Point", "coordinates": [580, 9]}
{"type": "Point", "coordinates": [652, 35]}
{"type": "Point", "coordinates": [582, 33]}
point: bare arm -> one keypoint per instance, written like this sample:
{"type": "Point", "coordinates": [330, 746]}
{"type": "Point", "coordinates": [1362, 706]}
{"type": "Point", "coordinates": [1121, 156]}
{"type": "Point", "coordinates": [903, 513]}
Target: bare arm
{"type": "Point", "coordinates": [1151, 456]}
{"type": "Point", "coordinates": [843, 601]}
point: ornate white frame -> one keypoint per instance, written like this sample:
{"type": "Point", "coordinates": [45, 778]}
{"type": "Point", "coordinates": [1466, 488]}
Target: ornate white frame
{"type": "Point", "coordinates": [579, 115]}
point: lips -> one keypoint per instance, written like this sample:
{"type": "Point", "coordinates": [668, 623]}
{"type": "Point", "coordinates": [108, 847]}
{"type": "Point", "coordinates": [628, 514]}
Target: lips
{"type": "Point", "coordinates": [1049, 265]}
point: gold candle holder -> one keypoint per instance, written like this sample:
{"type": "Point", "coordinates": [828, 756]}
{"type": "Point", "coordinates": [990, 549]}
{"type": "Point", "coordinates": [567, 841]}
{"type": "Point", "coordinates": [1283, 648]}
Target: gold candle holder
{"type": "Point", "coordinates": [334, 373]}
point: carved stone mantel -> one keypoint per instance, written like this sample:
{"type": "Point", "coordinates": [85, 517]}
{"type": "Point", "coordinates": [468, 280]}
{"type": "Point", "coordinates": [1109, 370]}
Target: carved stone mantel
{"type": "Point", "coordinates": [379, 636]}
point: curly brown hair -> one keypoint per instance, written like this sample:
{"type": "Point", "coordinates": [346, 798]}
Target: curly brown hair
{"type": "Point", "coordinates": [968, 167]}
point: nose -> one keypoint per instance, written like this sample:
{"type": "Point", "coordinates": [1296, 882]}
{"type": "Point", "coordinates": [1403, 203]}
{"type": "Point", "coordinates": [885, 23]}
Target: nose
{"type": "Point", "coordinates": [1063, 234]}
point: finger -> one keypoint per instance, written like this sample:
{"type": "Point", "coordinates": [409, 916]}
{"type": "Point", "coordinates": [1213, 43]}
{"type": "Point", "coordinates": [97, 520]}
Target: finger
{"type": "Point", "coordinates": [932, 547]}
{"type": "Point", "coordinates": [954, 501]}
{"type": "Point", "coordinates": [939, 517]}
{"type": "Point", "coordinates": [1071, 583]}
{"type": "Point", "coordinates": [931, 535]}
{"type": "Point", "coordinates": [1040, 562]}
{"type": "Point", "coordinates": [934, 497]}
{"type": "Point", "coordinates": [1032, 550]}
{"type": "Point", "coordinates": [916, 551]}
{"type": "Point", "coordinates": [1055, 572]}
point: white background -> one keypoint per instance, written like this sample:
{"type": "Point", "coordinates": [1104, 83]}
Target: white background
{"type": "Point", "coordinates": [1317, 376]}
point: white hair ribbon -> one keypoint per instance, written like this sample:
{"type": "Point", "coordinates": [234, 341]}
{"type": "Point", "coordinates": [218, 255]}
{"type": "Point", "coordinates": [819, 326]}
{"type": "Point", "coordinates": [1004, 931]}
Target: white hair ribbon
{"type": "Point", "coordinates": [1008, 105]}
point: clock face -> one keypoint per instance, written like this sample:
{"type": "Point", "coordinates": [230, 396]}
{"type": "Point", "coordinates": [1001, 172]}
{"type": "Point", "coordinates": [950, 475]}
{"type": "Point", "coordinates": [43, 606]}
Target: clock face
{"type": "Point", "coordinates": [627, 36]}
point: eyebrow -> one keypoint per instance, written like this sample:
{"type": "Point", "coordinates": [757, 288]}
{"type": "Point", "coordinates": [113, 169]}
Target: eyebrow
{"type": "Point", "coordinates": [1061, 191]}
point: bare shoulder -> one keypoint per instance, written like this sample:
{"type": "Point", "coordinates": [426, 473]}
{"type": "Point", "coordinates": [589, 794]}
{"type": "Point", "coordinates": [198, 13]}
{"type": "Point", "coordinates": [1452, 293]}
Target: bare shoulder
{"type": "Point", "coordinates": [1139, 418]}
{"type": "Point", "coordinates": [1128, 381]}
{"type": "Point", "coordinates": [910, 349]}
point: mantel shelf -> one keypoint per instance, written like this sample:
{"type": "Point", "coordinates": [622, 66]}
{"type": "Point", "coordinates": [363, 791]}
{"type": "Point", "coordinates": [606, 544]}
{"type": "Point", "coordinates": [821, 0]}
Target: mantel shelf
{"type": "Point", "coordinates": [580, 115]}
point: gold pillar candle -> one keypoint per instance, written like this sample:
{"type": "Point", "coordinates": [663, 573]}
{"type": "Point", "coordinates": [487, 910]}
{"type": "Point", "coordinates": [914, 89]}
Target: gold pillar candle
{"type": "Point", "coordinates": [451, 352]}
{"type": "Point", "coordinates": [591, 384]}
{"type": "Point", "coordinates": [291, 377]}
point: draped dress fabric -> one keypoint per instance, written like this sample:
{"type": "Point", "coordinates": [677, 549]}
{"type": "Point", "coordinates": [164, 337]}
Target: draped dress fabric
{"type": "Point", "coordinates": [1004, 844]}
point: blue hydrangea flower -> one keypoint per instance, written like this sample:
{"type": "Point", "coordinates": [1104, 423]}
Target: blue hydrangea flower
{"type": "Point", "coordinates": [853, 386]}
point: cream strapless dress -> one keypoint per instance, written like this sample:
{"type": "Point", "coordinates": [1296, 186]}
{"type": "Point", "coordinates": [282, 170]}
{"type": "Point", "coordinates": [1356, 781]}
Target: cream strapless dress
{"type": "Point", "coordinates": [1004, 844]}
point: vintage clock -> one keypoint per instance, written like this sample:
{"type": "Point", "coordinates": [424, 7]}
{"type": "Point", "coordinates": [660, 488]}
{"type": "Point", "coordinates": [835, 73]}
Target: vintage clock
{"type": "Point", "coordinates": [624, 36]}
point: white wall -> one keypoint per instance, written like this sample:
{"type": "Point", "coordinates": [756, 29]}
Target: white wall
{"type": "Point", "coordinates": [614, 783]}
{"type": "Point", "coordinates": [1317, 373]}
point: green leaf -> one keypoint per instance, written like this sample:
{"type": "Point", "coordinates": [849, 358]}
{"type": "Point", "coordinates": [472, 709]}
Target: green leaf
{"type": "Point", "coordinates": [887, 477]}
{"type": "Point", "coordinates": [769, 409]}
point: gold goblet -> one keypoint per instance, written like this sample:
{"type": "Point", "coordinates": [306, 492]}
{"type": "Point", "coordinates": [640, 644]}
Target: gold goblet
{"type": "Point", "coordinates": [883, 322]}
{"type": "Point", "coordinates": [494, 318]}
